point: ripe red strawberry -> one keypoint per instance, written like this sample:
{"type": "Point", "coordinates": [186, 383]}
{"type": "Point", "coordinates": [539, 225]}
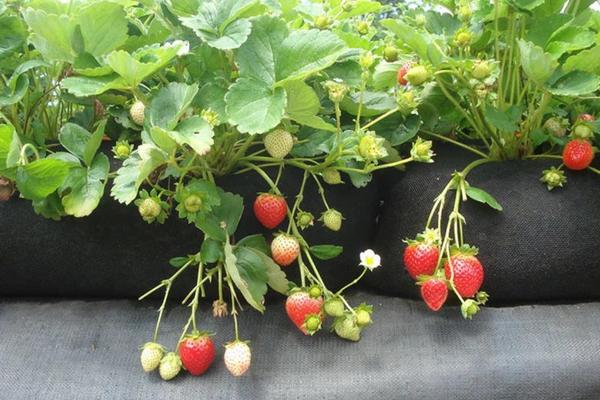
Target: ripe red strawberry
{"type": "Point", "coordinates": [421, 259]}
{"type": "Point", "coordinates": [468, 274]}
{"type": "Point", "coordinates": [299, 306]}
{"type": "Point", "coordinates": [285, 249]}
{"type": "Point", "coordinates": [197, 352]}
{"type": "Point", "coordinates": [401, 73]}
{"type": "Point", "coordinates": [270, 209]}
{"type": "Point", "coordinates": [434, 292]}
{"type": "Point", "coordinates": [237, 357]}
{"type": "Point", "coordinates": [578, 154]}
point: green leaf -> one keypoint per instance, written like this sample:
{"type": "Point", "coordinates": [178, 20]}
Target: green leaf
{"type": "Point", "coordinates": [6, 138]}
{"type": "Point", "coordinates": [103, 27]}
{"type": "Point", "coordinates": [183, 7]}
{"type": "Point", "coordinates": [196, 133]}
{"type": "Point", "coordinates": [326, 251]}
{"type": "Point", "coordinates": [276, 278]}
{"type": "Point", "coordinates": [374, 103]}
{"type": "Point", "coordinates": [85, 187]}
{"type": "Point", "coordinates": [179, 262]}
{"type": "Point", "coordinates": [40, 178]}
{"type": "Point", "coordinates": [80, 142]}
{"type": "Point", "coordinates": [256, 242]}
{"type": "Point", "coordinates": [220, 23]}
{"type": "Point", "coordinates": [482, 196]}
{"type": "Point", "coordinates": [211, 251]}
{"type": "Point", "coordinates": [169, 104]}
{"type": "Point", "coordinates": [12, 35]}
{"type": "Point", "coordinates": [254, 106]}
{"type": "Point", "coordinates": [227, 214]}
{"type": "Point", "coordinates": [140, 164]}
{"type": "Point", "coordinates": [252, 285]}
{"type": "Point", "coordinates": [49, 207]}
{"type": "Point", "coordinates": [574, 83]}
{"type": "Point", "coordinates": [586, 60]}
{"type": "Point", "coordinates": [303, 105]}
{"type": "Point", "coordinates": [163, 139]}
{"type": "Point", "coordinates": [504, 121]}
{"type": "Point", "coordinates": [136, 67]}
{"type": "Point", "coordinates": [84, 86]}
{"type": "Point", "coordinates": [569, 39]}
{"type": "Point", "coordinates": [51, 34]}
{"type": "Point", "coordinates": [538, 66]}
{"type": "Point", "coordinates": [525, 5]}
{"type": "Point", "coordinates": [212, 96]}
{"type": "Point", "coordinates": [423, 45]}
{"type": "Point", "coordinates": [12, 95]}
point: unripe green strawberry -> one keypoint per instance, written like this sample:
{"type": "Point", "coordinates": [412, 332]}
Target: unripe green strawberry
{"type": "Point", "coordinates": [170, 366]}
{"type": "Point", "coordinates": [346, 328]}
{"type": "Point", "coordinates": [366, 60]}
{"type": "Point", "coordinates": [332, 176]}
{"type": "Point", "coordinates": [481, 70]}
{"type": "Point", "coordinates": [237, 357]}
{"type": "Point", "coordinates": [462, 39]}
{"type": "Point", "coordinates": [363, 318]}
{"type": "Point", "coordinates": [390, 53]}
{"type": "Point", "coordinates": [315, 292]}
{"type": "Point", "coordinates": [363, 27]}
{"type": "Point", "coordinates": [332, 219]}
{"type": "Point", "coordinates": [582, 131]}
{"type": "Point", "coordinates": [420, 20]}
{"type": "Point", "coordinates": [417, 75]}
{"type": "Point", "coordinates": [151, 355]}
{"type": "Point", "coordinates": [304, 219]}
{"type": "Point", "coordinates": [122, 149]}
{"type": "Point", "coordinates": [192, 203]}
{"type": "Point", "coordinates": [313, 323]}
{"type": "Point", "coordinates": [553, 178]}
{"type": "Point", "coordinates": [334, 307]}
{"type": "Point", "coordinates": [322, 22]}
{"type": "Point", "coordinates": [137, 112]}
{"type": "Point", "coordinates": [555, 126]}
{"type": "Point", "coordinates": [279, 143]}
{"type": "Point", "coordinates": [149, 209]}
{"type": "Point", "coordinates": [347, 5]}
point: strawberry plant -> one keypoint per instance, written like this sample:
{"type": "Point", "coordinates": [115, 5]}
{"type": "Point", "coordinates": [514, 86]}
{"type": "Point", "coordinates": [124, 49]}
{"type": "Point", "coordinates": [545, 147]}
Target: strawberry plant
{"type": "Point", "coordinates": [154, 102]}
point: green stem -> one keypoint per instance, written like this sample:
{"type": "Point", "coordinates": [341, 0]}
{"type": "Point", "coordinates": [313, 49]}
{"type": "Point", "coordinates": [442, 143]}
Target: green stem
{"type": "Point", "coordinates": [455, 142]}
{"type": "Point", "coordinates": [380, 118]}
{"type": "Point", "coordinates": [354, 282]}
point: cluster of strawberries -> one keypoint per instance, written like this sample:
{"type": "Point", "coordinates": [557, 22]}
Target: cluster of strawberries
{"type": "Point", "coordinates": [462, 272]}
{"type": "Point", "coordinates": [196, 353]}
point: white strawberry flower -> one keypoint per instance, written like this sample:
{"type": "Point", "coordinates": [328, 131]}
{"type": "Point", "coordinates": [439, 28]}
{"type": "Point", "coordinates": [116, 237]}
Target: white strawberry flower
{"type": "Point", "coordinates": [369, 259]}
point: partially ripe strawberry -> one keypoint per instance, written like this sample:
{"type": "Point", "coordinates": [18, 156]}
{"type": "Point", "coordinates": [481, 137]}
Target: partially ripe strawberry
{"type": "Point", "coordinates": [417, 75]}
{"type": "Point", "coordinates": [170, 366]}
{"type": "Point", "coordinates": [197, 352]}
{"type": "Point", "coordinates": [285, 249]}
{"type": "Point", "coordinates": [151, 355]}
{"type": "Point", "coordinates": [421, 259]}
{"type": "Point", "coordinates": [137, 112]}
{"type": "Point", "coordinates": [578, 154]}
{"type": "Point", "coordinates": [299, 307]}
{"type": "Point", "coordinates": [586, 118]}
{"type": "Point", "coordinates": [237, 357]}
{"type": "Point", "coordinates": [434, 293]}
{"type": "Point", "coordinates": [270, 209]}
{"type": "Point", "coordinates": [279, 143]}
{"type": "Point", "coordinates": [402, 73]}
{"type": "Point", "coordinates": [468, 274]}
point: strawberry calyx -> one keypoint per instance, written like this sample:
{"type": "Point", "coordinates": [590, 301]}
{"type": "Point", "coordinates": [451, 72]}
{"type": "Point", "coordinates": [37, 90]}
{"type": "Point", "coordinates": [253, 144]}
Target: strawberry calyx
{"type": "Point", "coordinates": [195, 335]}
{"type": "Point", "coordinates": [464, 250]}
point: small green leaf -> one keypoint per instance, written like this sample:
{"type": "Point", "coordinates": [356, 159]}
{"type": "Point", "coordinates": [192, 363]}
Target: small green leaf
{"type": "Point", "coordinates": [103, 27]}
{"type": "Point", "coordinates": [303, 105]}
{"type": "Point", "coordinates": [51, 34]}
{"type": "Point", "coordinates": [196, 133]}
{"type": "Point", "coordinates": [254, 290]}
{"type": "Point", "coordinates": [227, 214]}
{"type": "Point", "coordinates": [482, 196]}
{"type": "Point", "coordinates": [256, 242]}
{"type": "Point", "coordinates": [169, 104]}
{"type": "Point", "coordinates": [538, 66]}
{"type": "Point", "coordinates": [179, 262]}
{"type": "Point", "coordinates": [211, 251]}
{"type": "Point", "coordinates": [40, 178]}
{"type": "Point", "coordinates": [326, 251]}
{"type": "Point", "coordinates": [574, 83]}
{"type": "Point", "coordinates": [504, 121]}
{"type": "Point", "coordinates": [85, 187]}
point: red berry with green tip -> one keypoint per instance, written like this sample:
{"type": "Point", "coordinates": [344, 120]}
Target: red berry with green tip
{"type": "Point", "coordinates": [270, 209]}
{"type": "Point", "coordinates": [578, 154]}
{"type": "Point", "coordinates": [197, 352]}
{"type": "Point", "coordinates": [402, 73]}
{"type": "Point", "coordinates": [434, 292]}
{"type": "Point", "coordinates": [468, 274]}
{"type": "Point", "coordinates": [421, 259]}
{"type": "Point", "coordinates": [300, 305]}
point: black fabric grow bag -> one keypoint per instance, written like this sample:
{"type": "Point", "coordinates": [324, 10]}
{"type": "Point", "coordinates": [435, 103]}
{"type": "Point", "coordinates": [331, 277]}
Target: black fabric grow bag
{"type": "Point", "coordinates": [542, 247]}
{"type": "Point", "coordinates": [114, 254]}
